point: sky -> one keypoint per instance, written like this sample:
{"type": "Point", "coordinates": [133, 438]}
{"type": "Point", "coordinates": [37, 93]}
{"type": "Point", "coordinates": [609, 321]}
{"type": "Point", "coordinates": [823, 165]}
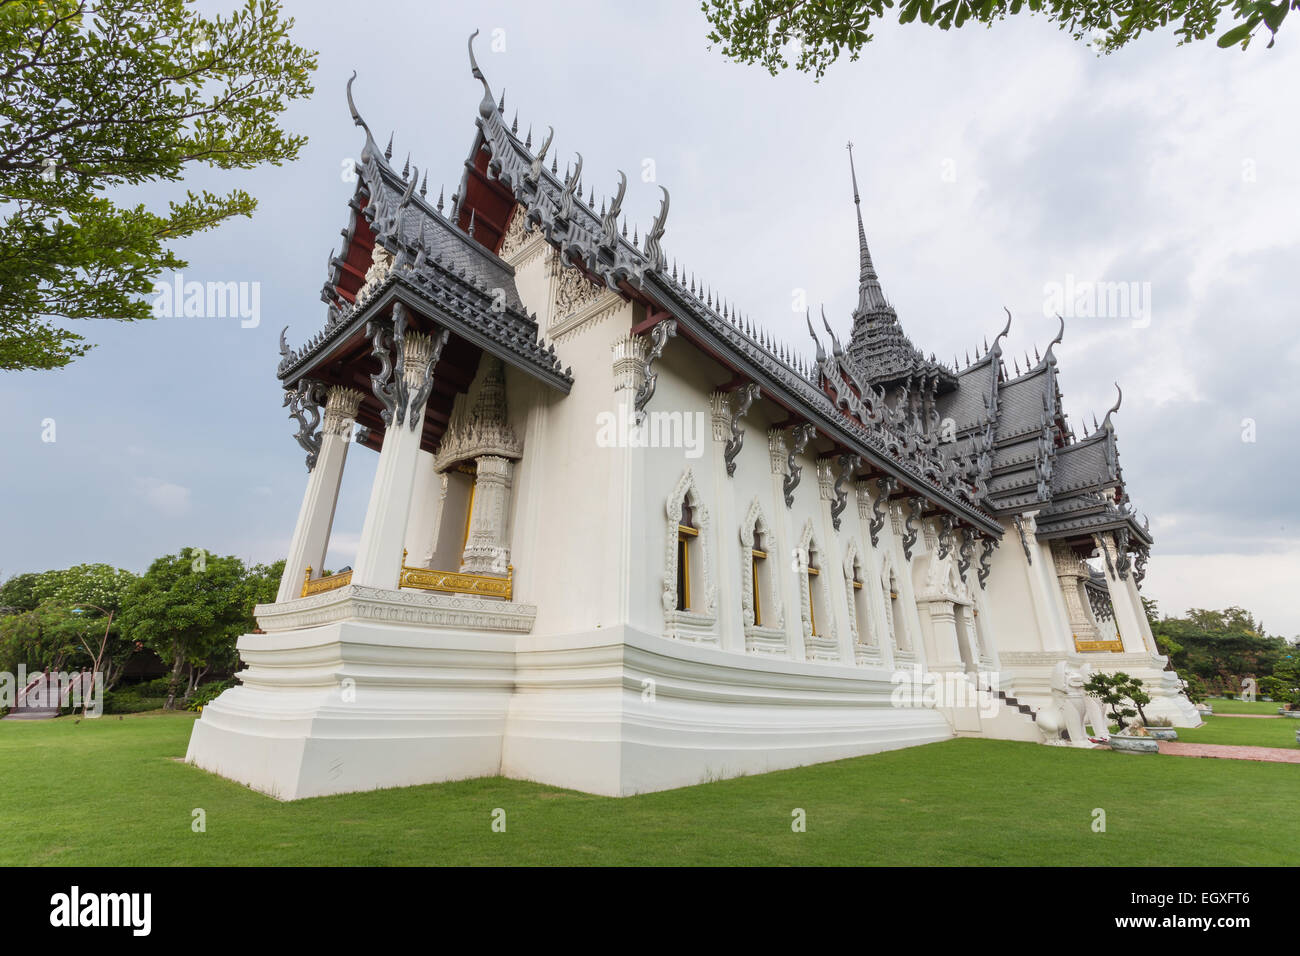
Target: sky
{"type": "Point", "coordinates": [999, 168]}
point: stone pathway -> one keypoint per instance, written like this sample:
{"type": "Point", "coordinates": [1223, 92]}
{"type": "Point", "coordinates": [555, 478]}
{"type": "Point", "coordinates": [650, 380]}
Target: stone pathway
{"type": "Point", "coordinates": [1255, 716]}
{"type": "Point", "coordinates": [1178, 748]}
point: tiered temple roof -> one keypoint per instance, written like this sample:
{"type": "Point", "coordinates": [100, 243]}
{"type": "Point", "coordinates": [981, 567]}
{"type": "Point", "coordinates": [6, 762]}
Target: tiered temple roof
{"type": "Point", "coordinates": [880, 401]}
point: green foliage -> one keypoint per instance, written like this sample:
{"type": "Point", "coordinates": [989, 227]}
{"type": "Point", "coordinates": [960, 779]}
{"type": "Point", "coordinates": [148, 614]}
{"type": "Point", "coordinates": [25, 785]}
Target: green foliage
{"type": "Point", "coordinates": [128, 94]}
{"type": "Point", "coordinates": [816, 32]}
{"type": "Point", "coordinates": [120, 703]}
{"type": "Point", "coordinates": [1115, 691]}
{"type": "Point", "coordinates": [1017, 804]}
{"type": "Point", "coordinates": [66, 621]}
{"type": "Point", "coordinates": [207, 693]}
{"type": "Point", "coordinates": [189, 608]}
{"type": "Point", "coordinates": [1284, 683]}
{"type": "Point", "coordinates": [1214, 650]}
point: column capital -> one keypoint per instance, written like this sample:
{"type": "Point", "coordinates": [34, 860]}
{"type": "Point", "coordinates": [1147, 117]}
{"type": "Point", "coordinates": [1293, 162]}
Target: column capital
{"type": "Point", "coordinates": [341, 407]}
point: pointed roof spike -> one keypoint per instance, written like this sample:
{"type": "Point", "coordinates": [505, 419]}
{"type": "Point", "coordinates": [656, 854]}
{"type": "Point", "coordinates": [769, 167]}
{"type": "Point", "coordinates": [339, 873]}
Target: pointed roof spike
{"type": "Point", "coordinates": [470, 230]}
{"type": "Point", "coordinates": [870, 296]}
{"type": "Point", "coordinates": [388, 150]}
{"type": "Point", "coordinates": [1095, 426]}
{"type": "Point", "coordinates": [1105, 423]}
{"type": "Point", "coordinates": [968, 358]}
{"type": "Point", "coordinates": [406, 169]}
{"type": "Point", "coordinates": [635, 239]}
{"type": "Point", "coordinates": [501, 107]}
{"type": "Point", "coordinates": [1016, 363]}
{"type": "Point", "coordinates": [986, 343]}
{"type": "Point", "coordinates": [424, 184]}
{"type": "Point", "coordinates": [440, 192]}
{"type": "Point", "coordinates": [528, 140]}
{"type": "Point", "coordinates": [514, 123]}
{"type": "Point", "coordinates": [554, 168]}
{"type": "Point", "coordinates": [1037, 357]}
{"type": "Point", "coordinates": [624, 227]}
{"type": "Point", "coordinates": [485, 105]}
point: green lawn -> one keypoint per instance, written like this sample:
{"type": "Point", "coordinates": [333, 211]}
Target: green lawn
{"type": "Point", "coordinates": [1244, 732]}
{"type": "Point", "coordinates": [1224, 706]}
{"type": "Point", "coordinates": [114, 792]}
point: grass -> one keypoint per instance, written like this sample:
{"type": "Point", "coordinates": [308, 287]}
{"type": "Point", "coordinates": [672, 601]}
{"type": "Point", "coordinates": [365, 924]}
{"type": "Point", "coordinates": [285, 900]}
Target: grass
{"type": "Point", "coordinates": [114, 792]}
{"type": "Point", "coordinates": [1225, 706]}
{"type": "Point", "coordinates": [1243, 732]}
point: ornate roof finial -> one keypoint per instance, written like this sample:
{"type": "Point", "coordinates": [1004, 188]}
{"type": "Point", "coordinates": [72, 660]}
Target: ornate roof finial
{"type": "Point", "coordinates": [1060, 334]}
{"type": "Point", "coordinates": [486, 106]}
{"type": "Point", "coordinates": [1105, 422]}
{"type": "Point", "coordinates": [356, 117]}
{"type": "Point", "coordinates": [870, 296]}
{"type": "Point", "coordinates": [388, 150]}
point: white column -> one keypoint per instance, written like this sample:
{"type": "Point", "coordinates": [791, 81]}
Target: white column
{"type": "Point", "coordinates": [379, 555]}
{"type": "Point", "coordinates": [311, 535]}
{"type": "Point", "coordinates": [783, 552]}
{"type": "Point", "coordinates": [426, 510]}
{"type": "Point", "coordinates": [872, 568]}
{"type": "Point", "coordinates": [487, 549]}
{"type": "Point", "coordinates": [1126, 616]}
{"type": "Point", "coordinates": [731, 623]}
{"type": "Point", "coordinates": [832, 571]}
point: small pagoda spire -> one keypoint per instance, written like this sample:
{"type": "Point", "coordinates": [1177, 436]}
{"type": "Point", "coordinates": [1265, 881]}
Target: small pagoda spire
{"type": "Point", "coordinates": [528, 140]}
{"type": "Point", "coordinates": [870, 296]}
{"type": "Point", "coordinates": [406, 167]}
{"type": "Point", "coordinates": [514, 123]}
{"type": "Point", "coordinates": [424, 184]}
{"type": "Point", "coordinates": [441, 189]}
{"type": "Point", "coordinates": [388, 150]}
{"type": "Point", "coordinates": [501, 107]}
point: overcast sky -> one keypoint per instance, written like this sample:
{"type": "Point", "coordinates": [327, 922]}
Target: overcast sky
{"type": "Point", "coordinates": [992, 164]}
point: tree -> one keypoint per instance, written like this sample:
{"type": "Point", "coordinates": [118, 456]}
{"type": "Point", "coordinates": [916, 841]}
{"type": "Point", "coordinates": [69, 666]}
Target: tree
{"type": "Point", "coordinates": [1113, 690]}
{"type": "Point", "coordinates": [816, 32]}
{"type": "Point", "coordinates": [65, 619]}
{"type": "Point", "coordinates": [124, 93]}
{"type": "Point", "coordinates": [189, 608]}
{"type": "Point", "coordinates": [1284, 683]}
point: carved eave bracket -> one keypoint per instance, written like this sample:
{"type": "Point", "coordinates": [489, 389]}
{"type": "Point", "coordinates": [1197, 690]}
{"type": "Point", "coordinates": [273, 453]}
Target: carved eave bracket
{"type": "Point", "coordinates": [800, 435]}
{"type": "Point", "coordinates": [947, 524]}
{"type": "Point", "coordinates": [988, 543]}
{"type": "Point", "coordinates": [848, 465]}
{"type": "Point", "coordinates": [885, 487]}
{"type": "Point", "coordinates": [966, 551]}
{"type": "Point", "coordinates": [659, 337]}
{"type": "Point", "coordinates": [304, 404]}
{"type": "Point", "coordinates": [1024, 541]}
{"type": "Point", "coordinates": [743, 399]}
{"type": "Point", "coordinates": [912, 524]}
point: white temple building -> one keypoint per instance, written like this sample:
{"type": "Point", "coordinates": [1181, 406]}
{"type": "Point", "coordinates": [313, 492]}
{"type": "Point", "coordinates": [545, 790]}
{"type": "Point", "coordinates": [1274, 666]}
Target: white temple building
{"type": "Point", "coordinates": [621, 539]}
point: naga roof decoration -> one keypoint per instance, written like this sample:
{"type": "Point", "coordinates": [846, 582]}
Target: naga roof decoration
{"type": "Point", "coordinates": [440, 268]}
{"type": "Point", "coordinates": [973, 441]}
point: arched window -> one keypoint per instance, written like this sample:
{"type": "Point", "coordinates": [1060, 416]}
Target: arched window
{"type": "Point", "coordinates": [763, 618]}
{"type": "Point", "coordinates": [895, 619]}
{"type": "Point", "coordinates": [860, 621]}
{"type": "Point", "coordinates": [687, 533]}
{"type": "Point", "coordinates": [688, 591]}
{"type": "Point", "coordinates": [818, 621]}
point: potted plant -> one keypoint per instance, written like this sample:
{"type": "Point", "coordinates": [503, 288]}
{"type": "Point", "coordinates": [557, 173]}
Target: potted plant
{"type": "Point", "coordinates": [1161, 728]}
{"type": "Point", "coordinates": [1116, 691]}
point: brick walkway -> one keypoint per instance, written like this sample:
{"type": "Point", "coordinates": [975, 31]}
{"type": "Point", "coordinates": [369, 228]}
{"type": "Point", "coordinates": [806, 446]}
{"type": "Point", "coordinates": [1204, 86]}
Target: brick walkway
{"type": "Point", "coordinates": [1268, 754]}
{"type": "Point", "coordinates": [1253, 716]}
